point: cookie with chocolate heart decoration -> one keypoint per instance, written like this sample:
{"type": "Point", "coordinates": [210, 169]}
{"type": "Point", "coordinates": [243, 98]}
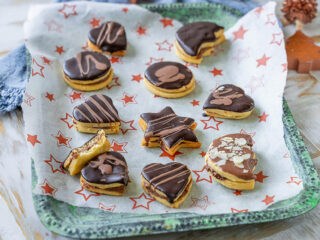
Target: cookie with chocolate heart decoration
{"type": "Point", "coordinates": [197, 40]}
{"type": "Point", "coordinates": [169, 184]}
{"type": "Point", "coordinates": [97, 112]}
{"type": "Point", "coordinates": [169, 79]}
{"type": "Point", "coordinates": [167, 130]}
{"type": "Point", "coordinates": [107, 173]}
{"type": "Point", "coordinates": [87, 71]}
{"type": "Point", "coordinates": [229, 101]}
{"type": "Point", "coordinates": [109, 38]}
{"type": "Point", "coordinates": [231, 161]}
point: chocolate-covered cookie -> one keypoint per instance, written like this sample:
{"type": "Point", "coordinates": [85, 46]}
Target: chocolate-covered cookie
{"type": "Point", "coordinates": [168, 184]}
{"type": "Point", "coordinates": [109, 37]}
{"type": "Point", "coordinates": [169, 131]}
{"type": "Point", "coordinates": [229, 101]}
{"type": "Point", "coordinates": [87, 71]}
{"type": "Point", "coordinates": [97, 112]}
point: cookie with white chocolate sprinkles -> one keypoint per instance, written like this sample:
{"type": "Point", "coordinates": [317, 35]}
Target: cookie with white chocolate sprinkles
{"type": "Point", "coordinates": [229, 101]}
{"type": "Point", "coordinates": [168, 184]}
{"type": "Point", "coordinates": [107, 174]}
{"type": "Point", "coordinates": [109, 37]}
{"type": "Point", "coordinates": [169, 79]}
{"type": "Point", "coordinates": [167, 130]}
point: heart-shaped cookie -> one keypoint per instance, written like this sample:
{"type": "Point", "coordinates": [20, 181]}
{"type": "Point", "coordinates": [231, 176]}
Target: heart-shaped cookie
{"type": "Point", "coordinates": [168, 184]}
{"type": "Point", "coordinates": [229, 101]}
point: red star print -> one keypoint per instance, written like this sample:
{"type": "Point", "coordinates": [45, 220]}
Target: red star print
{"type": "Point", "coordinates": [262, 61]}
{"type": "Point", "coordinates": [260, 177]}
{"type": "Point", "coordinates": [237, 192]}
{"type": "Point", "coordinates": [109, 208]}
{"type": "Point", "coordinates": [113, 83]}
{"type": "Point", "coordinates": [136, 78]}
{"type": "Point", "coordinates": [207, 178]}
{"type": "Point", "coordinates": [53, 26]}
{"type": "Point", "coordinates": [172, 157]}
{"type": "Point", "coordinates": [191, 65]}
{"type": "Point", "coordinates": [211, 123]}
{"type": "Point", "coordinates": [74, 96]}
{"type": "Point", "coordinates": [239, 34]}
{"type": "Point", "coordinates": [27, 99]}
{"type": "Point", "coordinates": [195, 103]}
{"type": "Point", "coordinates": [270, 17]}
{"type": "Point", "coordinates": [33, 139]}
{"type": "Point", "coordinates": [251, 134]}
{"type": "Point", "coordinates": [255, 83]}
{"type": "Point", "coordinates": [68, 120]}
{"type": "Point", "coordinates": [141, 31]}
{"type": "Point", "coordinates": [59, 50]}
{"type": "Point", "coordinates": [293, 180]}
{"type": "Point", "coordinates": [285, 67]}
{"type": "Point", "coordinates": [68, 10]}
{"type": "Point", "coordinates": [126, 126]}
{"type": "Point", "coordinates": [166, 22]}
{"type": "Point", "coordinates": [286, 155]}
{"type": "Point", "coordinates": [258, 10]}
{"type": "Point", "coordinates": [95, 22]}
{"type": "Point", "coordinates": [155, 96]}
{"type": "Point", "coordinates": [141, 201]}
{"type": "Point", "coordinates": [153, 60]}
{"type": "Point", "coordinates": [202, 203]}
{"type": "Point", "coordinates": [276, 39]}
{"type": "Point", "coordinates": [216, 72]}
{"type": "Point", "coordinates": [62, 141]}
{"type": "Point", "coordinates": [114, 59]}
{"type": "Point", "coordinates": [85, 47]}
{"type": "Point", "coordinates": [50, 97]}
{"type": "Point", "coordinates": [125, 10]}
{"type": "Point", "coordinates": [118, 147]}
{"type": "Point", "coordinates": [241, 55]}
{"type": "Point", "coordinates": [37, 69]}
{"type": "Point", "coordinates": [86, 194]}
{"type": "Point", "coordinates": [55, 165]}
{"type": "Point", "coordinates": [203, 154]}
{"type": "Point", "coordinates": [47, 189]}
{"type": "Point", "coordinates": [268, 199]}
{"type": "Point", "coordinates": [164, 46]}
{"type": "Point", "coordinates": [46, 61]}
{"type": "Point", "coordinates": [263, 117]}
{"type": "Point", "coordinates": [233, 210]}
{"type": "Point", "coordinates": [127, 99]}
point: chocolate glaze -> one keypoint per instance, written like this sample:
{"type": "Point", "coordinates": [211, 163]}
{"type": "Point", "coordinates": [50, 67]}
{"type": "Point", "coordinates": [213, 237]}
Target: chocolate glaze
{"type": "Point", "coordinates": [230, 98]}
{"type": "Point", "coordinates": [171, 178]}
{"type": "Point", "coordinates": [96, 109]}
{"type": "Point", "coordinates": [192, 35]}
{"type": "Point", "coordinates": [106, 168]}
{"type": "Point", "coordinates": [214, 173]}
{"type": "Point", "coordinates": [169, 127]}
{"type": "Point", "coordinates": [109, 37]}
{"type": "Point", "coordinates": [246, 171]}
{"type": "Point", "coordinates": [86, 66]}
{"type": "Point", "coordinates": [168, 75]}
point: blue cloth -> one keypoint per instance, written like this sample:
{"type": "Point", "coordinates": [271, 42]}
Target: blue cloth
{"type": "Point", "coordinates": [14, 72]}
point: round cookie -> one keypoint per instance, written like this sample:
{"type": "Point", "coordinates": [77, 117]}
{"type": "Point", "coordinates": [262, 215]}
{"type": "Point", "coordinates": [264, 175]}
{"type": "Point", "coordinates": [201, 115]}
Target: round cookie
{"type": "Point", "coordinates": [87, 71]}
{"type": "Point", "coordinates": [109, 38]}
{"type": "Point", "coordinates": [169, 79]}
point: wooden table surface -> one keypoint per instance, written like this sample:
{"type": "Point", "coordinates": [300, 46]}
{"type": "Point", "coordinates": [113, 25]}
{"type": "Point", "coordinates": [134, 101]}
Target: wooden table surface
{"type": "Point", "coordinates": [18, 219]}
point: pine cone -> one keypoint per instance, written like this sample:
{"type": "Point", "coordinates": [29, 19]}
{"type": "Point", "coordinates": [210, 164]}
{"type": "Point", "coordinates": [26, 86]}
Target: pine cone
{"type": "Point", "coordinates": [303, 10]}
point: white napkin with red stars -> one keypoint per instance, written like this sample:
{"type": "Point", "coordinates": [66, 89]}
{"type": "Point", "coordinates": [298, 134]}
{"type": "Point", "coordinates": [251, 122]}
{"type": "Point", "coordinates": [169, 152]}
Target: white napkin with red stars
{"type": "Point", "coordinates": [253, 57]}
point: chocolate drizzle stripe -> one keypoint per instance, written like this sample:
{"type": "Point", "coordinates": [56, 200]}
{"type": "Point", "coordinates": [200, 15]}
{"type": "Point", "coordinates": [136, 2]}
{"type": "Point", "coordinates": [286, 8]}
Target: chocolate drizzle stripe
{"type": "Point", "coordinates": [166, 173]}
{"type": "Point", "coordinates": [98, 65]}
{"type": "Point", "coordinates": [185, 172]}
{"type": "Point", "coordinates": [102, 110]}
{"type": "Point", "coordinates": [115, 161]}
{"type": "Point", "coordinates": [155, 169]}
{"type": "Point", "coordinates": [168, 74]}
{"type": "Point", "coordinates": [105, 34]}
{"type": "Point", "coordinates": [82, 113]}
{"type": "Point", "coordinates": [160, 118]}
{"type": "Point", "coordinates": [93, 113]}
{"type": "Point", "coordinates": [110, 107]}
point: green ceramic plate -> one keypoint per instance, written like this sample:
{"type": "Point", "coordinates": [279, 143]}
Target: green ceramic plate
{"type": "Point", "coordinates": [89, 223]}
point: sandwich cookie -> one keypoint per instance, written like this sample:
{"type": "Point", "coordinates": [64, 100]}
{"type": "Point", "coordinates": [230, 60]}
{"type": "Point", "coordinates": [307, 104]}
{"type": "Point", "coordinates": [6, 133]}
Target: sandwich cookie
{"type": "Point", "coordinates": [229, 101]}
{"type": "Point", "coordinates": [109, 38]}
{"type": "Point", "coordinates": [167, 130]}
{"type": "Point", "coordinates": [97, 112]}
{"type": "Point", "coordinates": [197, 40]}
{"type": "Point", "coordinates": [169, 79]}
{"type": "Point", "coordinates": [169, 184]}
{"type": "Point", "coordinates": [87, 71]}
{"type": "Point", "coordinates": [79, 157]}
{"type": "Point", "coordinates": [107, 173]}
{"type": "Point", "coordinates": [231, 161]}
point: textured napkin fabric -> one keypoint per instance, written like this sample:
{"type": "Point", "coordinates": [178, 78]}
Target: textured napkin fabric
{"type": "Point", "coordinates": [13, 67]}
{"type": "Point", "coordinates": [253, 57]}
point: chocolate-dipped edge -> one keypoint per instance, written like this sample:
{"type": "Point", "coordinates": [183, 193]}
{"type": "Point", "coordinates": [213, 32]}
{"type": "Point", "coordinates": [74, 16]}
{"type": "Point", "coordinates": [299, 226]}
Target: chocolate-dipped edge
{"type": "Point", "coordinates": [171, 178]}
{"type": "Point", "coordinates": [234, 100]}
{"type": "Point", "coordinates": [96, 109]}
{"type": "Point", "coordinates": [192, 35]}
